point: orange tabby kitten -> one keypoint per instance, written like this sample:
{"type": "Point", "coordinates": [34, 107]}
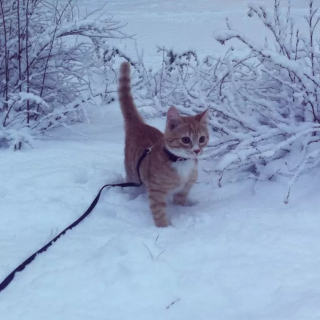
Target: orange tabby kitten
{"type": "Point", "coordinates": [171, 167]}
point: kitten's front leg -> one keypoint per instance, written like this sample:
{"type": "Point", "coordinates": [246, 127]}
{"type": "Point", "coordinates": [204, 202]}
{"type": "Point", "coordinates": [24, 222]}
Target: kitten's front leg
{"type": "Point", "coordinates": [181, 196]}
{"type": "Point", "coordinates": [158, 204]}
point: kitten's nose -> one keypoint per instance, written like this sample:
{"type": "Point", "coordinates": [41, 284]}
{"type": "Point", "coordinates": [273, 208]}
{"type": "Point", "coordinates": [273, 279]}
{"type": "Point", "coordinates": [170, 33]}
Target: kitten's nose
{"type": "Point", "coordinates": [196, 151]}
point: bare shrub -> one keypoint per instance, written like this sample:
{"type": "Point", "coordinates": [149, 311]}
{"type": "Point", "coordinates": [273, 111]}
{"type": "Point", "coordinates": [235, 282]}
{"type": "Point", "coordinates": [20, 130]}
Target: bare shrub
{"type": "Point", "coordinates": [48, 57]}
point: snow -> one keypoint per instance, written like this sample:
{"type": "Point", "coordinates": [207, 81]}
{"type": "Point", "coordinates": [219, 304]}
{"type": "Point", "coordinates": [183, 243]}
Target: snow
{"type": "Point", "coordinates": [30, 96]}
{"type": "Point", "coordinates": [188, 24]}
{"type": "Point", "coordinates": [237, 253]}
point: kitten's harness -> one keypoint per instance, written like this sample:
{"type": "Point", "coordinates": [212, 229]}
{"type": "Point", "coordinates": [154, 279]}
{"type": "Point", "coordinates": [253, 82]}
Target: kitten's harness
{"type": "Point", "coordinates": [10, 277]}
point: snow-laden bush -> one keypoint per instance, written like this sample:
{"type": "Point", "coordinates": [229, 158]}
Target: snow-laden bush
{"type": "Point", "coordinates": [284, 95]}
{"type": "Point", "coordinates": [48, 57]}
{"type": "Point", "coordinates": [265, 104]}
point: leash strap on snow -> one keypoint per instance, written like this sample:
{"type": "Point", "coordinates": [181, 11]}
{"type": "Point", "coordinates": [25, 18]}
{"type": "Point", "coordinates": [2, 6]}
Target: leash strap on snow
{"type": "Point", "coordinates": [10, 277]}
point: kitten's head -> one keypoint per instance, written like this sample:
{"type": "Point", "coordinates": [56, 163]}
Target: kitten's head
{"type": "Point", "coordinates": [186, 136]}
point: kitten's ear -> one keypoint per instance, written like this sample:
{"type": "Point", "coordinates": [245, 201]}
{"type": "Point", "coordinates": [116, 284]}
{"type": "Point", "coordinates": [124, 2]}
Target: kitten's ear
{"type": "Point", "coordinates": [203, 116]}
{"type": "Point", "coordinates": [173, 118]}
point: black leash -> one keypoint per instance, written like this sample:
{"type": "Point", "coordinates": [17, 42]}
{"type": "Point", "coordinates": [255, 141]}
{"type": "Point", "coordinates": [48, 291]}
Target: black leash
{"type": "Point", "coordinates": [10, 277]}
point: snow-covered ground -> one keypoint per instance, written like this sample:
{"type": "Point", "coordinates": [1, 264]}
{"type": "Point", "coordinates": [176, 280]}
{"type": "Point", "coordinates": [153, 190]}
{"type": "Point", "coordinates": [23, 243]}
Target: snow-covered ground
{"type": "Point", "coordinates": [239, 253]}
{"type": "Point", "coordinates": [189, 24]}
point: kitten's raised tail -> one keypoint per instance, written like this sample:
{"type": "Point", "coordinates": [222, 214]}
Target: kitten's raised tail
{"type": "Point", "coordinates": [128, 108]}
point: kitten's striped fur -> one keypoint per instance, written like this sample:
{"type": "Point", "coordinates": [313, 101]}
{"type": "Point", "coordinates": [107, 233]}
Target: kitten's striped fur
{"type": "Point", "coordinates": [160, 175]}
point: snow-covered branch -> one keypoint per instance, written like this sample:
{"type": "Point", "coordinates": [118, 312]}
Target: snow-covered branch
{"type": "Point", "coordinates": [48, 59]}
{"type": "Point", "coordinates": [265, 111]}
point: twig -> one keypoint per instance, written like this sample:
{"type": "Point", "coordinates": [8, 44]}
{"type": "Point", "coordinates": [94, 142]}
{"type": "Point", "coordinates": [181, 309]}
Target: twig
{"type": "Point", "coordinates": [173, 302]}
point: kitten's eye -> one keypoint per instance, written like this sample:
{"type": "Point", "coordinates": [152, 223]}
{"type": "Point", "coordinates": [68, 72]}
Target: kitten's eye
{"type": "Point", "coordinates": [202, 139]}
{"type": "Point", "coordinates": [185, 140]}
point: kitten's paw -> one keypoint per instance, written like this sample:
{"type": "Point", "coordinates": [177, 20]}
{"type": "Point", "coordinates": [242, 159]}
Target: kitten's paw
{"type": "Point", "coordinates": [180, 199]}
{"type": "Point", "coordinates": [185, 202]}
{"type": "Point", "coordinates": [162, 223]}
{"type": "Point", "coordinates": [191, 203]}
{"type": "Point", "coordinates": [179, 202]}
